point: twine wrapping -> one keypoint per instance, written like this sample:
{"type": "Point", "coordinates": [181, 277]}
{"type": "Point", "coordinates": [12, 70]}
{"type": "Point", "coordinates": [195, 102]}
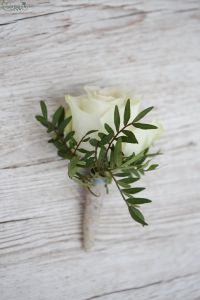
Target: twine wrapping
{"type": "Point", "coordinates": [92, 211]}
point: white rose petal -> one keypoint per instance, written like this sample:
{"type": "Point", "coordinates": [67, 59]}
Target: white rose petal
{"type": "Point", "coordinates": [82, 121]}
{"type": "Point", "coordinates": [95, 108]}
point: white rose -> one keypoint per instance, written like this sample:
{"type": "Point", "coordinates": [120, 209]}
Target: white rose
{"type": "Point", "coordinates": [95, 108]}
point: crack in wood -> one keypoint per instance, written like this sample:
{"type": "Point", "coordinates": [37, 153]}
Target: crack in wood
{"type": "Point", "coordinates": [18, 220]}
{"type": "Point", "coordinates": [36, 163]}
{"type": "Point", "coordinates": [143, 286]}
{"type": "Point", "coordinates": [124, 290]}
{"type": "Point", "coordinates": [187, 10]}
{"type": "Point", "coordinates": [32, 17]}
{"type": "Point", "coordinates": [137, 12]}
{"type": "Point", "coordinates": [51, 160]}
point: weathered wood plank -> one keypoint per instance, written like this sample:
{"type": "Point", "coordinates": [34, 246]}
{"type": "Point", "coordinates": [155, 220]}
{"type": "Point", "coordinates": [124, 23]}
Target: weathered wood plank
{"type": "Point", "coordinates": [137, 62]}
{"type": "Point", "coordinates": [181, 287]}
{"type": "Point", "coordinates": [141, 272]}
{"type": "Point", "coordinates": [53, 49]}
{"type": "Point", "coordinates": [49, 234]}
{"type": "Point", "coordinates": [39, 9]}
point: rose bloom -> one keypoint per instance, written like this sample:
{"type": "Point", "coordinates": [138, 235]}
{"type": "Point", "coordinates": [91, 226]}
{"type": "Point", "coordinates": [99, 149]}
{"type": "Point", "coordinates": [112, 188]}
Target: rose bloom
{"type": "Point", "coordinates": [93, 109]}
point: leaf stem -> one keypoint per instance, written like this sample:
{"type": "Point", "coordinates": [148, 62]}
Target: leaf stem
{"type": "Point", "coordinates": [113, 177]}
{"type": "Point", "coordinates": [89, 189]}
{"type": "Point", "coordinates": [76, 148]}
{"type": "Point", "coordinates": [112, 140]}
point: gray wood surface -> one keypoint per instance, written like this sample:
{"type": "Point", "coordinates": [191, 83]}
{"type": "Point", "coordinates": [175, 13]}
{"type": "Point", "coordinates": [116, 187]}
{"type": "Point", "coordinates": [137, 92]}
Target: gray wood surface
{"type": "Point", "coordinates": [54, 48]}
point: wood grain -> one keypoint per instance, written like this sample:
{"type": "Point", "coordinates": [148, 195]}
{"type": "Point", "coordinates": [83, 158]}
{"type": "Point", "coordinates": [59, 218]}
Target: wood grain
{"type": "Point", "coordinates": [54, 48]}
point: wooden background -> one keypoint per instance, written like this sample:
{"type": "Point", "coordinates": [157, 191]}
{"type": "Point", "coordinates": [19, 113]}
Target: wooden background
{"type": "Point", "coordinates": [54, 48]}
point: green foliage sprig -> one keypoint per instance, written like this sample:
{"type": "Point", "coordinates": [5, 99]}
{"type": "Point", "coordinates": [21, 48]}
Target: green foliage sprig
{"type": "Point", "coordinates": [105, 159]}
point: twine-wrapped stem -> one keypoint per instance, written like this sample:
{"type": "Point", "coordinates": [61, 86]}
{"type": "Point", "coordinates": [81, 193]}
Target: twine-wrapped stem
{"type": "Point", "coordinates": [91, 217]}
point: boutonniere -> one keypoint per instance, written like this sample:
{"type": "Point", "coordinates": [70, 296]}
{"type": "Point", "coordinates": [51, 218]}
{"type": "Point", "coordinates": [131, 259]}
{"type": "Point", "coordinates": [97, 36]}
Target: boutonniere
{"type": "Point", "coordinates": [103, 137]}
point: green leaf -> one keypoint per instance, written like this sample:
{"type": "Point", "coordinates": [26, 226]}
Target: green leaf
{"type": "Point", "coordinates": [137, 201]}
{"type": "Point", "coordinates": [89, 162]}
{"type": "Point", "coordinates": [69, 136]}
{"type": "Point", "coordinates": [88, 154]}
{"type": "Point", "coordinates": [154, 154]}
{"type": "Point", "coordinates": [135, 172]}
{"type": "Point", "coordinates": [109, 129]}
{"type": "Point", "coordinates": [58, 115]}
{"type": "Point", "coordinates": [122, 174]}
{"type": "Point", "coordinates": [118, 152]}
{"type": "Point", "coordinates": [112, 160]}
{"type": "Point", "coordinates": [64, 123]}
{"type": "Point", "coordinates": [146, 163]}
{"type": "Point", "coordinates": [62, 117]}
{"type": "Point", "coordinates": [133, 190]}
{"type": "Point", "coordinates": [94, 142]}
{"type": "Point", "coordinates": [106, 139]}
{"type": "Point", "coordinates": [152, 167]}
{"type": "Point", "coordinates": [81, 163]}
{"type": "Point", "coordinates": [72, 166]}
{"type": "Point", "coordinates": [124, 185]}
{"type": "Point", "coordinates": [72, 142]}
{"type": "Point", "coordinates": [144, 126]}
{"type": "Point", "coordinates": [102, 153]}
{"type": "Point", "coordinates": [64, 154]}
{"type": "Point", "coordinates": [127, 112]}
{"type": "Point", "coordinates": [90, 132]}
{"type": "Point", "coordinates": [142, 114]}
{"type": "Point", "coordinates": [83, 150]}
{"type": "Point", "coordinates": [51, 141]}
{"type": "Point", "coordinates": [43, 109]}
{"type": "Point", "coordinates": [60, 146]}
{"type": "Point", "coordinates": [137, 215]}
{"type": "Point", "coordinates": [133, 159]}
{"type": "Point", "coordinates": [86, 140]}
{"type": "Point", "coordinates": [101, 135]}
{"type": "Point", "coordinates": [50, 127]}
{"type": "Point", "coordinates": [43, 121]}
{"type": "Point", "coordinates": [116, 118]}
{"type": "Point", "coordinates": [128, 180]}
{"type": "Point", "coordinates": [141, 161]}
{"type": "Point", "coordinates": [130, 137]}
